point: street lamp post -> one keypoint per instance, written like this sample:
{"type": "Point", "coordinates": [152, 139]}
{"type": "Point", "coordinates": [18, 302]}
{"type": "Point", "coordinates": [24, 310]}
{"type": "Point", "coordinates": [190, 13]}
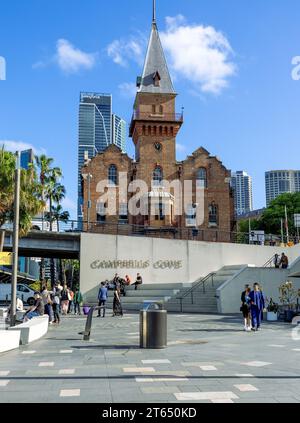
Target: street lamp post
{"type": "Point", "coordinates": [15, 242]}
{"type": "Point", "coordinates": [88, 177]}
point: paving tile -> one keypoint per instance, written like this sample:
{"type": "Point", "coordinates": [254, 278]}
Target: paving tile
{"type": "Point", "coordinates": [208, 368]}
{"type": "Point", "coordinates": [66, 371]}
{"type": "Point", "coordinates": [4, 383]}
{"type": "Point", "coordinates": [46, 364]}
{"type": "Point", "coordinates": [187, 396]}
{"type": "Point", "coordinates": [28, 352]}
{"type": "Point", "coordinates": [4, 373]}
{"type": "Point", "coordinates": [65, 351]}
{"type": "Point", "coordinates": [257, 364]}
{"type": "Point", "coordinates": [246, 388]}
{"type": "Point", "coordinates": [138, 370]}
{"type": "Point", "coordinates": [70, 393]}
{"type": "Point", "coordinates": [156, 361]}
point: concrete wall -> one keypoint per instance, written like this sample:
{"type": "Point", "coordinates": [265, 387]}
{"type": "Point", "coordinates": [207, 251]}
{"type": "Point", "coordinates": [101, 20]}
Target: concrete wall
{"type": "Point", "coordinates": [163, 260]}
{"type": "Point", "coordinates": [229, 294]}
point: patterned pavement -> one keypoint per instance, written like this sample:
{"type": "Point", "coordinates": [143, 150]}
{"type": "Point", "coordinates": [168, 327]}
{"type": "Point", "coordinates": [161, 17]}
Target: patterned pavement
{"type": "Point", "coordinates": [209, 359]}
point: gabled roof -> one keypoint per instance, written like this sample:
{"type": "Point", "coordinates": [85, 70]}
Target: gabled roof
{"type": "Point", "coordinates": [156, 64]}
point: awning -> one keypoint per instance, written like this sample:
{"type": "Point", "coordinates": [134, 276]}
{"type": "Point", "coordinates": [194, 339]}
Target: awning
{"type": "Point", "coordinates": [6, 276]}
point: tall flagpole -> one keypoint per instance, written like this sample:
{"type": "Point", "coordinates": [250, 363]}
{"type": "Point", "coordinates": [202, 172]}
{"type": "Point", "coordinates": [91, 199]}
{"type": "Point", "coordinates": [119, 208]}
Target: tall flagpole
{"type": "Point", "coordinates": [287, 226]}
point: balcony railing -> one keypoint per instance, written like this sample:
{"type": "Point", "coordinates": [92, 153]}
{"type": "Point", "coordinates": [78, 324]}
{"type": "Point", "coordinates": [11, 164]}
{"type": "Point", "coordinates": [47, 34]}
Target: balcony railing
{"type": "Point", "coordinates": [164, 117]}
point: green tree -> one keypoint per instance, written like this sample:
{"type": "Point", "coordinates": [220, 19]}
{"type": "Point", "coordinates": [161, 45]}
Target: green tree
{"type": "Point", "coordinates": [271, 218]}
{"type": "Point", "coordinates": [31, 202]}
{"type": "Point", "coordinates": [57, 215]}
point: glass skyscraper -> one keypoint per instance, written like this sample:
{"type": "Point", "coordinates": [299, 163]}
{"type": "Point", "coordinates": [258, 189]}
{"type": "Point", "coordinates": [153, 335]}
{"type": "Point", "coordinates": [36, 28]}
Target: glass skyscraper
{"type": "Point", "coordinates": [98, 128]}
{"type": "Point", "coordinates": [280, 182]}
{"type": "Point", "coordinates": [27, 157]}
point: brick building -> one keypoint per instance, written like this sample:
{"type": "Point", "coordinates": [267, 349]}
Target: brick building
{"type": "Point", "coordinates": [154, 127]}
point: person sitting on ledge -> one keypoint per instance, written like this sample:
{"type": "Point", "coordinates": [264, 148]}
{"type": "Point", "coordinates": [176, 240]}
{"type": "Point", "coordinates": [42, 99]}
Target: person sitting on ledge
{"type": "Point", "coordinates": [138, 281]}
{"type": "Point", "coordinates": [37, 309]}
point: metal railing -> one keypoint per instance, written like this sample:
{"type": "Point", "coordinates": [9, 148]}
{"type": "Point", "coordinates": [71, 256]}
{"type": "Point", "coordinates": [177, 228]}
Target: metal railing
{"type": "Point", "coordinates": [170, 232]}
{"type": "Point", "coordinates": [164, 117]}
{"type": "Point", "coordinates": [270, 262]}
{"type": "Point", "coordinates": [203, 282]}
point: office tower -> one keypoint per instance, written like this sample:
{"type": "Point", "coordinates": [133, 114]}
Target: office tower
{"type": "Point", "coordinates": [281, 181]}
{"type": "Point", "coordinates": [98, 128]}
{"type": "Point", "coordinates": [119, 132]}
{"type": "Point", "coordinates": [241, 183]}
{"type": "Point", "coordinates": [27, 157]}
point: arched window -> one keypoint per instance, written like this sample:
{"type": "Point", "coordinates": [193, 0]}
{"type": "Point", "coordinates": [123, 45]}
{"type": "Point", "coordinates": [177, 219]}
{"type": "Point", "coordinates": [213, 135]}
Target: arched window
{"type": "Point", "coordinates": [213, 214]}
{"type": "Point", "coordinates": [166, 130]}
{"type": "Point", "coordinates": [157, 176]}
{"type": "Point", "coordinates": [202, 177]}
{"type": "Point", "coordinates": [144, 129]}
{"type": "Point", "coordinates": [113, 174]}
{"type": "Point", "coordinates": [153, 109]}
{"type": "Point", "coordinates": [160, 130]}
{"type": "Point", "coordinates": [154, 130]}
{"type": "Point", "coordinates": [161, 110]}
{"type": "Point", "coordinates": [149, 130]}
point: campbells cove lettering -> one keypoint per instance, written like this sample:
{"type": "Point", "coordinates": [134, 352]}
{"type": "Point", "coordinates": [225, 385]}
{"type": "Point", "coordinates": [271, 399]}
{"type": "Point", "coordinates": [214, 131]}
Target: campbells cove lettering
{"type": "Point", "coordinates": [136, 264]}
{"type": "Point", "coordinates": [167, 264]}
{"type": "Point", "coordinates": [122, 264]}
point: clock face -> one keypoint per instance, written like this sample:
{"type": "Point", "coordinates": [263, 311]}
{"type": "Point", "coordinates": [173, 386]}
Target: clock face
{"type": "Point", "coordinates": [158, 146]}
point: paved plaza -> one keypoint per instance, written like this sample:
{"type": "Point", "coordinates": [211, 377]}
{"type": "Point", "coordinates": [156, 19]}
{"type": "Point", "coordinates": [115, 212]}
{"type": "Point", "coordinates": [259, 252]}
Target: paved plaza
{"type": "Point", "coordinates": [209, 359]}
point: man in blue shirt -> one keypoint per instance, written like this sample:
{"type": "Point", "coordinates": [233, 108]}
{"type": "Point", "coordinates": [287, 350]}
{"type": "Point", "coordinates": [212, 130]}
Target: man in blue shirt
{"type": "Point", "coordinates": [102, 298]}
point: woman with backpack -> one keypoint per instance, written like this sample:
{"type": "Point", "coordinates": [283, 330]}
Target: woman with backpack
{"type": "Point", "coordinates": [65, 298]}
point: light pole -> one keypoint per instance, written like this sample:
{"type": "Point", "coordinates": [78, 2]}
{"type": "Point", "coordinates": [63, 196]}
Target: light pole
{"type": "Point", "coordinates": [88, 177]}
{"type": "Point", "coordinates": [15, 242]}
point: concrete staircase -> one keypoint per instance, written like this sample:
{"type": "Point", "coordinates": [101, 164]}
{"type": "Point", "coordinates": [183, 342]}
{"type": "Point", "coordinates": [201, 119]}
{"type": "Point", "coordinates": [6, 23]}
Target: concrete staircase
{"type": "Point", "coordinates": [203, 301]}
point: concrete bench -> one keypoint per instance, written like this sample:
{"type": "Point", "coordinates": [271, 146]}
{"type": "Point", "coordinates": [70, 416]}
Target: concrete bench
{"type": "Point", "coordinates": [9, 340]}
{"type": "Point", "coordinates": [32, 330]}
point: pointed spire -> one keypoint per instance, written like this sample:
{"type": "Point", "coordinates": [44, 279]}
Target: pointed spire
{"type": "Point", "coordinates": [156, 77]}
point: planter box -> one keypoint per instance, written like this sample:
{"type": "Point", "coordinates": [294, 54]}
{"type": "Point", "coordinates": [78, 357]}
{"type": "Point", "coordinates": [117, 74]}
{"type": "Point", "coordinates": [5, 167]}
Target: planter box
{"type": "Point", "coordinates": [271, 316]}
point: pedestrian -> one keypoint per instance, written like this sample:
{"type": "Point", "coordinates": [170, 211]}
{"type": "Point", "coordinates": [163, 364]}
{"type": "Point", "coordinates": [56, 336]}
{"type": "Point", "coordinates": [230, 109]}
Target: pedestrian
{"type": "Point", "coordinates": [127, 280]}
{"type": "Point", "coordinates": [102, 298]}
{"type": "Point", "coordinates": [277, 261]}
{"type": "Point", "coordinates": [138, 281]}
{"type": "Point", "coordinates": [71, 302]}
{"type": "Point", "coordinates": [55, 306]}
{"type": "Point", "coordinates": [37, 309]}
{"type": "Point", "coordinates": [117, 306]}
{"type": "Point", "coordinates": [59, 288]}
{"type": "Point", "coordinates": [284, 261]}
{"type": "Point", "coordinates": [257, 302]}
{"type": "Point", "coordinates": [245, 308]}
{"type": "Point", "coordinates": [77, 301]}
{"type": "Point", "coordinates": [65, 298]}
{"type": "Point", "coordinates": [45, 294]}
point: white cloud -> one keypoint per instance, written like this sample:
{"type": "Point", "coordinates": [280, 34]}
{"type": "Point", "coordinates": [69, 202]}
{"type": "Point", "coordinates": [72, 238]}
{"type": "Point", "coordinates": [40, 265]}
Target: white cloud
{"type": "Point", "coordinates": [70, 59]}
{"type": "Point", "coordinates": [125, 50]}
{"type": "Point", "coordinates": [198, 53]}
{"type": "Point", "coordinates": [128, 89]}
{"type": "Point", "coordinates": [14, 146]}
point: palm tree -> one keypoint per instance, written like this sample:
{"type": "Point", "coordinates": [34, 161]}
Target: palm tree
{"type": "Point", "coordinates": [57, 215]}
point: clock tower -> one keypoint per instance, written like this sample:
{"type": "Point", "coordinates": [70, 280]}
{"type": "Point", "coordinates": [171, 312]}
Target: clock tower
{"type": "Point", "coordinates": [155, 123]}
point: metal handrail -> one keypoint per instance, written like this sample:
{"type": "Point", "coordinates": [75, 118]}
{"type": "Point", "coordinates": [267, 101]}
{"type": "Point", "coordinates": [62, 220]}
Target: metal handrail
{"type": "Point", "coordinates": [199, 282]}
{"type": "Point", "coordinates": [269, 262]}
{"type": "Point", "coordinates": [168, 117]}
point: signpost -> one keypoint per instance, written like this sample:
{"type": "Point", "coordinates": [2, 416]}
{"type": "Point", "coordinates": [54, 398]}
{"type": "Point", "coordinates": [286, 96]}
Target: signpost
{"type": "Point", "coordinates": [6, 259]}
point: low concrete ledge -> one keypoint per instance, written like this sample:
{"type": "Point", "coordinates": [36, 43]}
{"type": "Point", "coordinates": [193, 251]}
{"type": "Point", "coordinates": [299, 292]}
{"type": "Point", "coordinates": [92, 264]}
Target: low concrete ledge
{"type": "Point", "coordinates": [32, 330]}
{"type": "Point", "coordinates": [3, 312]}
{"type": "Point", "coordinates": [9, 340]}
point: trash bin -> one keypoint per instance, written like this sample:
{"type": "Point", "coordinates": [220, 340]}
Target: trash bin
{"type": "Point", "coordinates": [153, 325]}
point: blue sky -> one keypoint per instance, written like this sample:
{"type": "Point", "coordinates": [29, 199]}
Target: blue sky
{"type": "Point", "coordinates": [234, 80]}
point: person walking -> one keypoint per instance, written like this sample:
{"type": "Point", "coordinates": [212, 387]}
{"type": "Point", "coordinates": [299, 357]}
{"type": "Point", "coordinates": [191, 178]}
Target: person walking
{"type": "Point", "coordinates": [77, 301]}
{"type": "Point", "coordinates": [71, 302]}
{"type": "Point", "coordinates": [138, 281]}
{"type": "Point", "coordinates": [284, 261]}
{"type": "Point", "coordinates": [245, 308]}
{"type": "Point", "coordinates": [117, 306]}
{"type": "Point", "coordinates": [65, 298]}
{"type": "Point", "coordinates": [46, 298]}
{"type": "Point", "coordinates": [102, 298]}
{"type": "Point", "coordinates": [55, 306]}
{"type": "Point", "coordinates": [277, 261]}
{"type": "Point", "coordinates": [257, 305]}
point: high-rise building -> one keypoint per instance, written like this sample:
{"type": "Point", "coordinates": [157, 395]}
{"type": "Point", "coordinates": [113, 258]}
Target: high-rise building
{"type": "Point", "coordinates": [280, 182]}
{"type": "Point", "coordinates": [27, 157]}
{"type": "Point", "coordinates": [119, 132]}
{"type": "Point", "coordinates": [98, 128]}
{"type": "Point", "coordinates": [241, 183]}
